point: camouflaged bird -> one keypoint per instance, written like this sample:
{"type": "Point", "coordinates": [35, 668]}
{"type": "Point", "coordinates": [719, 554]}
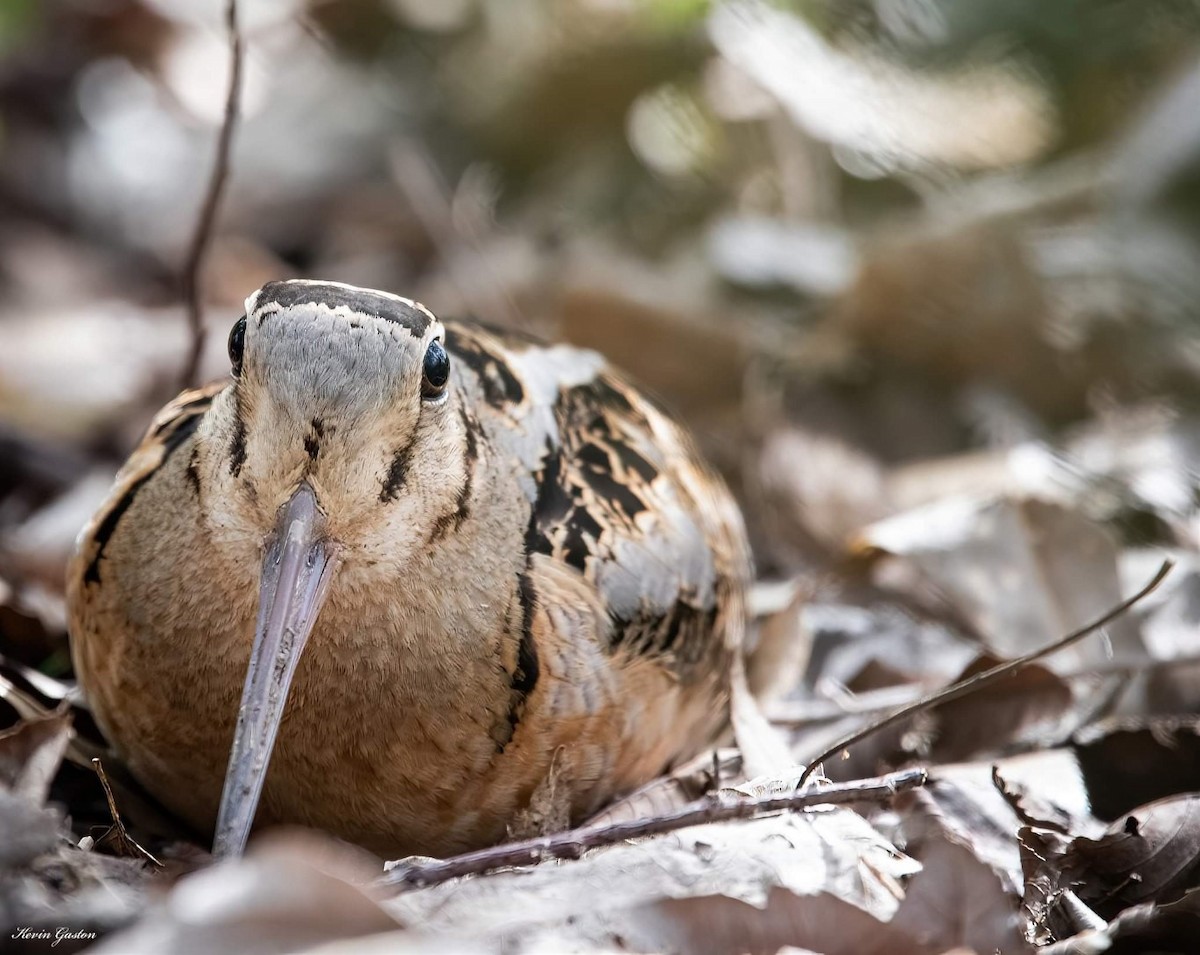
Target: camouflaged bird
{"type": "Point", "coordinates": [461, 557]}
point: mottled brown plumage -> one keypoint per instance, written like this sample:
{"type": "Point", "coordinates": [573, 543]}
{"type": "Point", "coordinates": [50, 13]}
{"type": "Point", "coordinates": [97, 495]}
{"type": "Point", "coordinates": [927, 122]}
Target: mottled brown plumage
{"type": "Point", "coordinates": [529, 567]}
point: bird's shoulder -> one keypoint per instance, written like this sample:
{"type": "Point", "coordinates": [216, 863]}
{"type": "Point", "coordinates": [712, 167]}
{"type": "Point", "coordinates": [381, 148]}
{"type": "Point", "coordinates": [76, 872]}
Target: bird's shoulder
{"type": "Point", "coordinates": [174, 424]}
{"type": "Point", "coordinates": [617, 494]}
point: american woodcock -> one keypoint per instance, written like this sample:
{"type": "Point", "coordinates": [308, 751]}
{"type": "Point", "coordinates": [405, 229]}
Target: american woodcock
{"type": "Point", "coordinates": [413, 566]}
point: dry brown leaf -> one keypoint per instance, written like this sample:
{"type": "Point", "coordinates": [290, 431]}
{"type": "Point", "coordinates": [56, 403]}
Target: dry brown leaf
{"type": "Point", "coordinates": [34, 696]}
{"type": "Point", "coordinates": [997, 716]}
{"type": "Point", "coordinates": [958, 901]}
{"type": "Point", "coordinates": [968, 891]}
{"type": "Point", "coordinates": [30, 754]}
{"type": "Point", "coordinates": [1152, 854]}
{"type": "Point", "coordinates": [719, 925]}
{"type": "Point", "coordinates": [778, 643]}
{"type": "Point", "coordinates": [1023, 571]}
{"type": "Point", "coordinates": [293, 891]}
{"type": "Point", "coordinates": [991, 720]}
{"type": "Point", "coordinates": [982, 723]}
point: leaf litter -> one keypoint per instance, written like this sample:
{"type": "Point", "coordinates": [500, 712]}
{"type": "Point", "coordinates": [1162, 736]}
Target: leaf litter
{"type": "Point", "coordinates": [938, 336]}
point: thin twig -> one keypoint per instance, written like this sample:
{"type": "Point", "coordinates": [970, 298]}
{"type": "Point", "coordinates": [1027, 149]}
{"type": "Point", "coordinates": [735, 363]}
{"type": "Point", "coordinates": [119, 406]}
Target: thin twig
{"type": "Point", "coordinates": [986, 678]}
{"type": "Point", "coordinates": [116, 838]}
{"type": "Point", "coordinates": [202, 236]}
{"type": "Point", "coordinates": [717, 807]}
{"type": "Point", "coordinates": [803, 713]}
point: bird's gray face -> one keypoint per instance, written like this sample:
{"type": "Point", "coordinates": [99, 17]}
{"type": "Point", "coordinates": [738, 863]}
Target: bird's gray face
{"type": "Point", "coordinates": [348, 389]}
{"type": "Point", "coordinates": [335, 454]}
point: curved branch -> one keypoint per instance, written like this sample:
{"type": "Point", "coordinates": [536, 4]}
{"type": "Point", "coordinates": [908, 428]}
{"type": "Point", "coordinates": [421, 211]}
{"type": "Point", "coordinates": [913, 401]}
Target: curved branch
{"type": "Point", "coordinates": [573, 843]}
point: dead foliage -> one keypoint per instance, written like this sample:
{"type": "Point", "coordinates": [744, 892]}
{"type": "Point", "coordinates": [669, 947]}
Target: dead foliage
{"type": "Point", "coordinates": [919, 276]}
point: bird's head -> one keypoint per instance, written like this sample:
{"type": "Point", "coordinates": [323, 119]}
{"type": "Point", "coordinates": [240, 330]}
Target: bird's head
{"type": "Point", "coordinates": [348, 390]}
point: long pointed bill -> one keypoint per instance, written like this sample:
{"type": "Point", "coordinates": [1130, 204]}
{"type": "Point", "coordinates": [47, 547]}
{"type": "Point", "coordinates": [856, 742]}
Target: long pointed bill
{"type": "Point", "coordinates": [296, 570]}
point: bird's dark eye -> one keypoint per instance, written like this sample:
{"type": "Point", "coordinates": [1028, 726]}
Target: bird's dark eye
{"type": "Point", "coordinates": [237, 345]}
{"type": "Point", "coordinates": [437, 371]}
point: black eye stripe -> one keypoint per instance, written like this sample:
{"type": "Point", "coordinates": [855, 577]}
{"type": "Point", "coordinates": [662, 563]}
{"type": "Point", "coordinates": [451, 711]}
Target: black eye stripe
{"type": "Point", "coordinates": [436, 371]}
{"type": "Point", "coordinates": [237, 345]}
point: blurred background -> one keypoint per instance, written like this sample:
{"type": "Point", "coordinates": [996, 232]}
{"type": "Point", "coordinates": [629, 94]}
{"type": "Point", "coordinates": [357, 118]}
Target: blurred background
{"type": "Point", "coordinates": [922, 275]}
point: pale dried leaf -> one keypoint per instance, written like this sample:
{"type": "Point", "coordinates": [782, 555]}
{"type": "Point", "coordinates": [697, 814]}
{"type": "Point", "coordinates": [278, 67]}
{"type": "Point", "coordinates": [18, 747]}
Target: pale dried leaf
{"type": "Point", "coordinates": [64, 371]}
{"type": "Point", "coordinates": [832, 853]}
{"type": "Point", "coordinates": [719, 925]}
{"type": "Point", "coordinates": [26, 830]}
{"type": "Point", "coordinates": [956, 900]}
{"type": "Point", "coordinates": [1040, 808]}
{"type": "Point", "coordinates": [813, 259]}
{"type": "Point", "coordinates": [1024, 571]}
{"type": "Point", "coordinates": [969, 889]}
{"type": "Point", "coordinates": [1049, 776]}
{"type": "Point", "coordinates": [30, 754]}
{"type": "Point", "coordinates": [778, 645]}
{"type": "Point", "coordinates": [291, 892]}
{"type": "Point", "coordinates": [414, 943]}
{"type": "Point", "coordinates": [41, 545]}
{"type": "Point", "coordinates": [972, 815]}
{"type": "Point", "coordinates": [819, 485]}
{"type": "Point", "coordinates": [764, 749]}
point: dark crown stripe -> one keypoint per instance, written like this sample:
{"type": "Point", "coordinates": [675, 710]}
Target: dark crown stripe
{"type": "Point", "coordinates": [360, 300]}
